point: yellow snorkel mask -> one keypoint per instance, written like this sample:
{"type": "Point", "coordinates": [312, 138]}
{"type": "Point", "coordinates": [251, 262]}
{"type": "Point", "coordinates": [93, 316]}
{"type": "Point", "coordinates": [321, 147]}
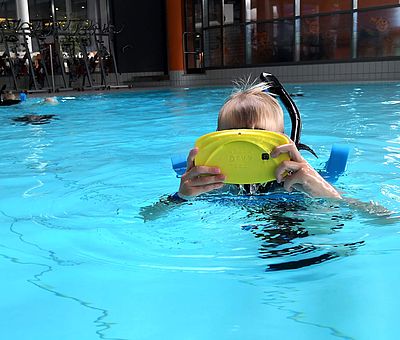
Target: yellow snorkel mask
{"type": "Point", "coordinates": [243, 155]}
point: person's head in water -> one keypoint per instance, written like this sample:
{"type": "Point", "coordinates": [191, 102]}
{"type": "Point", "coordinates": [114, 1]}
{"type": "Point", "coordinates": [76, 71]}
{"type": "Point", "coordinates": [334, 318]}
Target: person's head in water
{"type": "Point", "coordinates": [251, 109]}
{"type": "Point", "coordinates": [51, 100]}
{"type": "Point", "coordinates": [9, 96]}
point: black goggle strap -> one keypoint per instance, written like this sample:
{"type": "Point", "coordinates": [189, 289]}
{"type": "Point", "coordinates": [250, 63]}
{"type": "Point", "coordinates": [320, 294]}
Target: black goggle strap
{"type": "Point", "coordinates": [276, 88]}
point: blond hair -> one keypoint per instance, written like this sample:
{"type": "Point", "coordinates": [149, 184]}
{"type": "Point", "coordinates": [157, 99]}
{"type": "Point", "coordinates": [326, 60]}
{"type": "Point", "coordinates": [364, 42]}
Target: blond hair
{"type": "Point", "coordinates": [251, 109]}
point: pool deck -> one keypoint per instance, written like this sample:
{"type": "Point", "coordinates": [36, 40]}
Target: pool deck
{"type": "Point", "coordinates": [75, 92]}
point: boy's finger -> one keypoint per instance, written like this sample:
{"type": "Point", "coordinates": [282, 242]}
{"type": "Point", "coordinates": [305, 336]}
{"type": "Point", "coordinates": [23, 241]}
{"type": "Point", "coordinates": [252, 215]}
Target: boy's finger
{"type": "Point", "coordinates": [291, 149]}
{"type": "Point", "coordinates": [290, 182]}
{"type": "Point", "coordinates": [190, 159]}
{"type": "Point", "coordinates": [207, 188]}
{"type": "Point", "coordinates": [286, 167]}
{"type": "Point", "coordinates": [203, 170]}
{"type": "Point", "coordinates": [206, 180]}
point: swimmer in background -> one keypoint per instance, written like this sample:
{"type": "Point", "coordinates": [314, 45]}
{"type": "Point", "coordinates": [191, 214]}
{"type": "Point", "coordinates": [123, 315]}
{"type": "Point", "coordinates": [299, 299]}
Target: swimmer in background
{"type": "Point", "coordinates": [50, 100]}
{"type": "Point", "coordinates": [38, 119]}
{"type": "Point", "coordinates": [10, 96]}
{"type": "Point", "coordinates": [254, 109]}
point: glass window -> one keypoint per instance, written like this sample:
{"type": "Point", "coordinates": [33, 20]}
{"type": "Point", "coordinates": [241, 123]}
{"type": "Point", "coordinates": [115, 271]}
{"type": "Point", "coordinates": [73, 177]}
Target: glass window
{"type": "Point", "coordinates": [40, 9]}
{"type": "Point", "coordinates": [193, 47]}
{"type": "Point", "coordinates": [198, 15]}
{"type": "Point", "coordinates": [232, 12]}
{"type": "Point", "coordinates": [189, 16]}
{"type": "Point", "coordinates": [261, 10]}
{"type": "Point", "coordinates": [376, 3]}
{"type": "Point", "coordinates": [378, 33]}
{"type": "Point", "coordinates": [194, 15]}
{"type": "Point", "coordinates": [213, 47]}
{"type": "Point", "coordinates": [271, 42]}
{"type": "Point", "coordinates": [326, 37]}
{"type": "Point", "coordinates": [214, 12]}
{"type": "Point", "coordinates": [234, 46]}
{"type": "Point", "coordinates": [8, 10]}
{"type": "Point", "coordinates": [317, 6]}
{"type": "Point", "coordinates": [78, 9]}
{"type": "Point", "coordinates": [60, 9]}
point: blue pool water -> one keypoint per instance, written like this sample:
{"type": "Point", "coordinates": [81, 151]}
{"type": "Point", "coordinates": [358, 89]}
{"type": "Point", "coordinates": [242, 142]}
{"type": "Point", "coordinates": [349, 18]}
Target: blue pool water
{"type": "Point", "coordinates": [87, 251]}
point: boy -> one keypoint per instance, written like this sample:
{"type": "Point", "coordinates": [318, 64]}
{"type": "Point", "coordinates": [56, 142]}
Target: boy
{"type": "Point", "coordinates": [254, 109]}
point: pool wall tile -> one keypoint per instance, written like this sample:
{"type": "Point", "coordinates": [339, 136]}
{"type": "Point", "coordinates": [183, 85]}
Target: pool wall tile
{"type": "Point", "coordinates": [387, 70]}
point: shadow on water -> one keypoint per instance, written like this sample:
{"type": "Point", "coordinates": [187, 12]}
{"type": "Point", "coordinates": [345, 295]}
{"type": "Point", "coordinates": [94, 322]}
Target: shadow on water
{"type": "Point", "coordinates": [284, 228]}
{"type": "Point", "coordinates": [35, 119]}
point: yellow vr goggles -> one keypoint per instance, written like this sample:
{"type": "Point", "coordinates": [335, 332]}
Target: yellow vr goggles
{"type": "Point", "coordinates": [243, 155]}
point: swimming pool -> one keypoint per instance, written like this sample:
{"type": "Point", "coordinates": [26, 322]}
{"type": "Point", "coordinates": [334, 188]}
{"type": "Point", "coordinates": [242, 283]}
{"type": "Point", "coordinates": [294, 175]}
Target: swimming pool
{"type": "Point", "coordinates": [87, 253]}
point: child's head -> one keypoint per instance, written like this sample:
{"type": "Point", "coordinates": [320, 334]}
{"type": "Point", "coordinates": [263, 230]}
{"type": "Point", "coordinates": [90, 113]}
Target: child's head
{"type": "Point", "coordinates": [10, 96]}
{"type": "Point", "coordinates": [51, 100]}
{"type": "Point", "coordinates": [251, 109]}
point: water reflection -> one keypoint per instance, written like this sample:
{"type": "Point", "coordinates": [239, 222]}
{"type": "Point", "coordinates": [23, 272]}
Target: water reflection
{"type": "Point", "coordinates": [36, 144]}
{"type": "Point", "coordinates": [285, 230]}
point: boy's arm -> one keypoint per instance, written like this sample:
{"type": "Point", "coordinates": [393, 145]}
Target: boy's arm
{"type": "Point", "coordinates": [297, 173]}
{"type": "Point", "coordinates": [198, 180]}
{"type": "Point", "coordinates": [195, 181]}
{"type": "Point", "coordinates": [160, 208]}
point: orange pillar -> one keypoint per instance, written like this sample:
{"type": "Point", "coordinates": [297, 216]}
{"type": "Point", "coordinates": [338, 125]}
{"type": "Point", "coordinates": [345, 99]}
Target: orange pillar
{"type": "Point", "coordinates": [174, 10]}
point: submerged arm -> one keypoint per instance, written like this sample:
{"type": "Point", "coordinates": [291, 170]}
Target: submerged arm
{"type": "Point", "coordinates": [160, 208]}
{"type": "Point", "coordinates": [373, 210]}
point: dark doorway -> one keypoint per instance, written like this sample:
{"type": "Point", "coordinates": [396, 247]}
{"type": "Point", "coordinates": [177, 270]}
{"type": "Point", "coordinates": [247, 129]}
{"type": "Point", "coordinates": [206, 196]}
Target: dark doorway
{"type": "Point", "coordinates": [141, 45]}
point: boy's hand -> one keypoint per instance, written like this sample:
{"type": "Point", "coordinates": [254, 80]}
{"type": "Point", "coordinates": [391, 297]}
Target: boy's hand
{"type": "Point", "coordinates": [199, 179]}
{"type": "Point", "coordinates": [298, 174]}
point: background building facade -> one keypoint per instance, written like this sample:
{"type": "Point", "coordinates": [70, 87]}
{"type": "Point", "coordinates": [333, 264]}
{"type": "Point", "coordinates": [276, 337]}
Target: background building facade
{"type": "Point", "coordinates": [186, 42]}
{"type": "Point", "coordinates": [240, 33]}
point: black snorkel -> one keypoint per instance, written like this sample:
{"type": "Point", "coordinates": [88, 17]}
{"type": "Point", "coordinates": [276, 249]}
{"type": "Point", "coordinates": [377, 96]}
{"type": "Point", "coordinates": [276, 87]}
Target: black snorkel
{"type": "Point", "coordinates": [276, 88]}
